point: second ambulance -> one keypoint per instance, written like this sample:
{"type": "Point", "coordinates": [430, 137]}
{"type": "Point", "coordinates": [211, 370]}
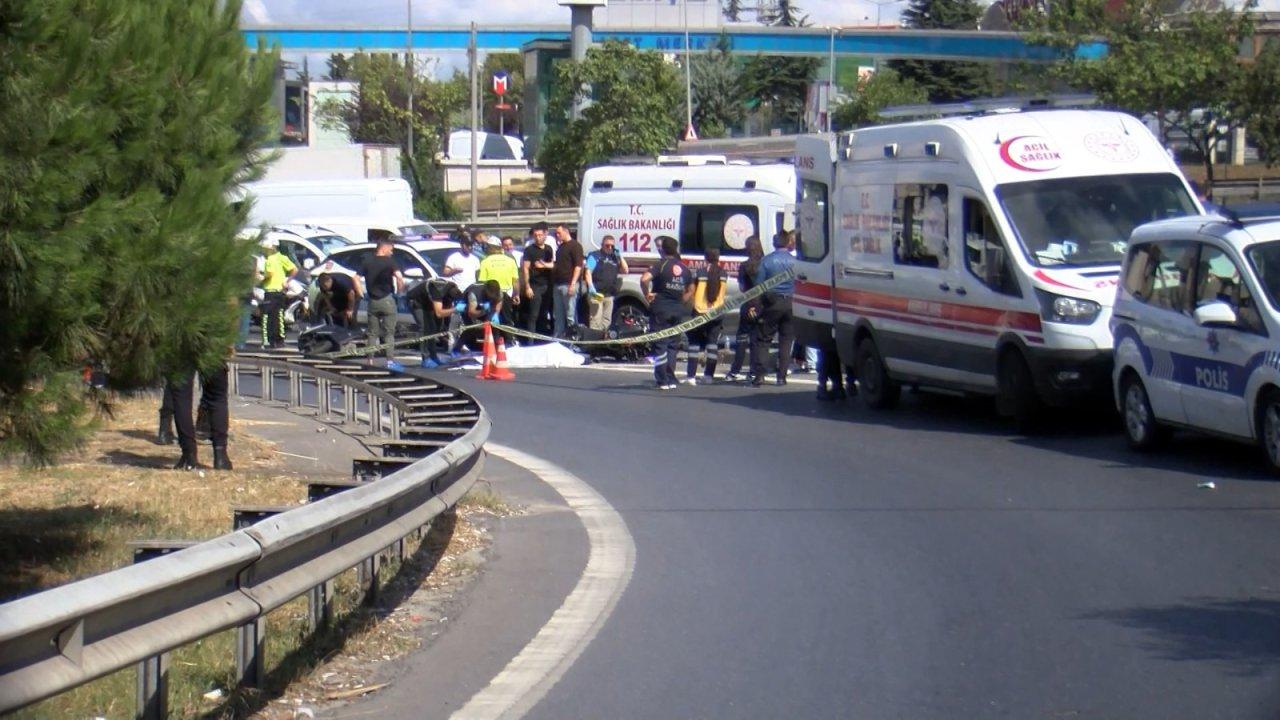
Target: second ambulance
{"type": "Point", "coordinates": [979, 253]}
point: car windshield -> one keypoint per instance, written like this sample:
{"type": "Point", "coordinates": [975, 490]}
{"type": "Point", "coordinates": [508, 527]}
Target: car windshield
{"type": "Point", "coordinates": [416, 230]}
{"type": "Point", "coordinates": [327, 244]}
{"type": "Point", "coordinates": [1265, 259]}
{"type": "Point", "coordinates": [1087, 220]}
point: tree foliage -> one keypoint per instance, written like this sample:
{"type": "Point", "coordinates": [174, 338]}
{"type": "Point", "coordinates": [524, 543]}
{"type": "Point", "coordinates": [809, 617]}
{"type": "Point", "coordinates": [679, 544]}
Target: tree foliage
{"type": "Point", "coordinates": [1184, 69]}
{"type": "Point", "coordinates": [378, 113]}
{"type": "Point", "coordinates": [717, 91]}
{"type": "Point", "coordinates": [945, 80]}
{"type": "Point", "coordinates": [1260, 102]}
{"type": "Point", "coordinates": [122, 134]}
{"type": "Point", "coordinates": [732, 10]}
{"type": "Point", "coordinates": [637, 106]}
{"type": "Point", "coordinates": [781, 84]}
{"type": "Point", "coordinates": [884, 88]}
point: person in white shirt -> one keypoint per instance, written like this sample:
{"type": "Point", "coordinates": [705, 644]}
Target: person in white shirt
{"type": "Point", "coordinates": [461, 267]}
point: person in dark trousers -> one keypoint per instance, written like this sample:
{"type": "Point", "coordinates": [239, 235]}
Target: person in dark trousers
{"type": "Point", "coordinates": [537, 263]}
{"type": "Point", "coordinates": [277, 270]}
{"type": "Point", "coordinates": [748, 313]}
{"type": "Point", "coordinates": [775, 311]}
{"type": "Point", "coordinates": [380, 280]}
{"type": "Point", "coordinates": [336, 301]}
{"type": "Point", "coordinates": [830, 380]}
{"type": "Point", "coordinates": [668, 288]}
{"type": "Point", "coordinates": [432, 303]}
{"type": "Point", "coordinates": [565, 275]}
{"type": "Point", "coordinates": [708, 296]}
{"type": "Point", "coordinates": [214, 390]}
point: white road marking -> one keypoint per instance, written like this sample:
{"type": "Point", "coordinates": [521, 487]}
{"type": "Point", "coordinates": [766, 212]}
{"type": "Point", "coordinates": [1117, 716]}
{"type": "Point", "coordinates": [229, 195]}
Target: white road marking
{"type": "Point", "coordinates": [541, 664]}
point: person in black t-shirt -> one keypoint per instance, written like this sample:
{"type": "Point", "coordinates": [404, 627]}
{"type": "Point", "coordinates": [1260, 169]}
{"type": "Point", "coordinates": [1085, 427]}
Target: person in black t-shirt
{"type": "Point", "coordinates": [336, 302]}
{"type": "Point", "coordinates": [668, 288]}
{"type": "Point", "coordinates": [432, 303]}
{"type": "Point", "coordinates": [536, 266]}
{"type": "Point", "coordinates": [380, 280]}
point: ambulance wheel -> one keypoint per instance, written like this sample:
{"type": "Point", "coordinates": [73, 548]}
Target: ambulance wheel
{"type": "Point", "coordinates": [1016, 395]}
{"type": "Point", "coordinates": [1269, 426]}
{"type": "Point", "coordinates": [1140, 426]}
{"type": "Point", "coordinates": [875, 386]}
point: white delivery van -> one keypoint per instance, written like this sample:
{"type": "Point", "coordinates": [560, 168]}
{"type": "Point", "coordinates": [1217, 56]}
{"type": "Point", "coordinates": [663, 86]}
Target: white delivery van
{"type": "Point", "coordinates": [702, 201]}
{"type": "Point", "coordinates": [979, 253]}
{"type": "Point", "coordinates": [284, 202]}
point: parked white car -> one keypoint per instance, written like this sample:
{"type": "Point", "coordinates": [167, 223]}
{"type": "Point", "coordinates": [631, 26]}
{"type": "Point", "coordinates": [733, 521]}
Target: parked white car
{"type": "Point", "coordinates": [1197, 331]}
{"type": "Point", "coordinates": [369, 229]}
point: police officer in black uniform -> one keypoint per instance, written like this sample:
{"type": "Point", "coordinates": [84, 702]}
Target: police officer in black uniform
{"type": "Point", "coordinates": [213, 401]}
{"type": "Point", "coordinates": [668, 288]}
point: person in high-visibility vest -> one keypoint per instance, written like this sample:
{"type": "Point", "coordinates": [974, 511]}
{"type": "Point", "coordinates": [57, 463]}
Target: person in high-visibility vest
{"type": "Point", "coordinates": [277, 269]}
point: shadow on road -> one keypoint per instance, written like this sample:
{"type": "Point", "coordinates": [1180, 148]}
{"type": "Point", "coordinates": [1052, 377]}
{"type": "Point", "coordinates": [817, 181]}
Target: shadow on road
{"type": "Point", "coordinates": [1241, 635]}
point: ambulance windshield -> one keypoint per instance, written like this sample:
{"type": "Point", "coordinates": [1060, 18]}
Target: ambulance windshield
{"type": "Point", "coordinates": [1087, 220]}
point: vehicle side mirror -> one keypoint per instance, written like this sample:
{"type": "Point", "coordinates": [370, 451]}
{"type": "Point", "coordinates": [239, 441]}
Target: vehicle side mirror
{"type": "Point", "coordinates": [414, 273]}
{"type": "Point", "coordinates": [1215, 313]}
{"type": "Point", "coordinates": [309, 264]}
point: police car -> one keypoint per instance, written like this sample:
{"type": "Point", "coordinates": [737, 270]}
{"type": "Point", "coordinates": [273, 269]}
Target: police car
{"type": "Point", "coordinates": [1196, 323]}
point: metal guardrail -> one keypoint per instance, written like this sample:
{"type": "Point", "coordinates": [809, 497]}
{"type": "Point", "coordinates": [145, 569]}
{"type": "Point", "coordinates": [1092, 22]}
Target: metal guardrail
{"type": "Point", "coordinates": [61, 638]}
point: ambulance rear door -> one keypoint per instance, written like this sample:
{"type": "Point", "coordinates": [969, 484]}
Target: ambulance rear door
{"type": "Point", "coordinates": [814, 311]}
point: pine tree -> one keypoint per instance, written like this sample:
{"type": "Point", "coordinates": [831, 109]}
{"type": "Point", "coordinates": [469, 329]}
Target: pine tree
{"type": "Point", "coordinates": [717, 91]}
{"type": "Point", "coordinates": [123, 131]}
{"type": "Point", "coordinates": [732, 10]}
{"type": "Point", "coordinates": [945, 80]}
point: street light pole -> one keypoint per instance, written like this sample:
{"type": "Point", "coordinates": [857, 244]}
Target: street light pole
{"type": "Point", "coordinates": [831, 77]}
{"type": "Point", "coordinates": [408, 79]}
{"type": "Point", "coordinates": [688, 75]}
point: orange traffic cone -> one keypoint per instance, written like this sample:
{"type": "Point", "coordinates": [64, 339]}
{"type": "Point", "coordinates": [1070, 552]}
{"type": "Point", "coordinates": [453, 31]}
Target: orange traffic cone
{"type": "Point", "coordinates": [490, 355]}
{"type": "Point", "coordinates": [500, 370]}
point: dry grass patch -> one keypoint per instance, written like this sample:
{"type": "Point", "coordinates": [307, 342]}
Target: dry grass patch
{"type": "Point", "coordinates": [73, 520]}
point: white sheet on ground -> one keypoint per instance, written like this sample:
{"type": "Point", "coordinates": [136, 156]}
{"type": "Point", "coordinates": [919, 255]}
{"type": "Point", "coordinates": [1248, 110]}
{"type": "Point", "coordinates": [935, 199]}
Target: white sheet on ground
{"type": "Point", "coordinates": [549, 355]}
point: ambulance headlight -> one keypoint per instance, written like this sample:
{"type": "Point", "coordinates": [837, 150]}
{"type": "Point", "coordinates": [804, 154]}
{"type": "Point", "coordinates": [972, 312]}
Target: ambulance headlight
{"type": "Point", "coordinates": [1062, 309]}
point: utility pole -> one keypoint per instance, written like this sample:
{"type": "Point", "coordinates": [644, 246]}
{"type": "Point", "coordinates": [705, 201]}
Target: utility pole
{"type": "Point", "coordinates": [831, 78]}
{"type": "Point", "coordinates": [475, 122]}
{"type": "Point", "coordinates": [688, 77]}
{"type": "Point", "coordinates": [408, 73]}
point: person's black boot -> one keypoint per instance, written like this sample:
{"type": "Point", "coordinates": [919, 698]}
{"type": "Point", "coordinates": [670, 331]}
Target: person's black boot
{"type": "Point", "coordinates": [220, 459]}
{"type": "Point", "coordinates": [204, 430]}
{"type": "Point", "coordinates": [164, 436]}
{"type": "Point", "coordinates": [187, 461]}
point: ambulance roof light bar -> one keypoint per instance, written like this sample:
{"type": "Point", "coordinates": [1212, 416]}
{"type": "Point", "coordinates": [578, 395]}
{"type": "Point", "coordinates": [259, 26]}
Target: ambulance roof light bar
{"type": "Point", "coordinates": [988, 106]}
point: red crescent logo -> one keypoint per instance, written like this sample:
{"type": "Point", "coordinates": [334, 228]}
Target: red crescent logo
{"type": "Point", "coordinates": [1030, 162]}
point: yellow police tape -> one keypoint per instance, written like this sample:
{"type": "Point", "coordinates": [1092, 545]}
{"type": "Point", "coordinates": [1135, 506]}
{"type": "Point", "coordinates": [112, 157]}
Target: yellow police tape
{"type": "Point", "coordinates": [673, 331]}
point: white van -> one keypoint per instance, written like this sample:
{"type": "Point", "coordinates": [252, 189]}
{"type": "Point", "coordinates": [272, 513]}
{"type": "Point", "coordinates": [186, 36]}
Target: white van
{"type": "Point", "coordinates": [370, 228]}
{"type": "Point", "coordinates": [702, 201]}
{"type": "Point", "coordinates": [284, 202]}
{"type": "Point", "coordinates": [978, 253]}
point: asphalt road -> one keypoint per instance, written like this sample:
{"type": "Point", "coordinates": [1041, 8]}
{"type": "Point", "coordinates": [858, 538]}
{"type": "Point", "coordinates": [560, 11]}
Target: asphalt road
{"type": "Point", "coordinates": [801, 559]}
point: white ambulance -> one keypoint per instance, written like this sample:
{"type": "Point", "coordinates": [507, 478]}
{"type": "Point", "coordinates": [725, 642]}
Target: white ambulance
{"type": "Point", "coordinates": [978, 253]}
{"type": "Point", "coordinates": [704, 201]}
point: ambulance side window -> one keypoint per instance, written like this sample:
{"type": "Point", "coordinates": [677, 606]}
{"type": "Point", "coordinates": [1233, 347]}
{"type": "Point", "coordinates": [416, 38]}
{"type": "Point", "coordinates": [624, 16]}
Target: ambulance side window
{"type": "Point", "coordinates": [984, 251]}
{"type": "Point", "coordinates": [920, 225]}
{"type": "Point", "coordinates": [812, 228]}
{"type": "Point", "coordinates": [725, 227]}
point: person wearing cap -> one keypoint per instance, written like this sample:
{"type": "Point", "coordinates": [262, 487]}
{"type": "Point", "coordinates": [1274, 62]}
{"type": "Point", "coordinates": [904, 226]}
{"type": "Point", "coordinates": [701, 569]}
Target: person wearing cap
{"type": "Point", "coordinates": [461, 266]}
{"type": "Point", "coordinates": [277, 268]}
{"type": "Point", "coordinates": [500, 267]}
